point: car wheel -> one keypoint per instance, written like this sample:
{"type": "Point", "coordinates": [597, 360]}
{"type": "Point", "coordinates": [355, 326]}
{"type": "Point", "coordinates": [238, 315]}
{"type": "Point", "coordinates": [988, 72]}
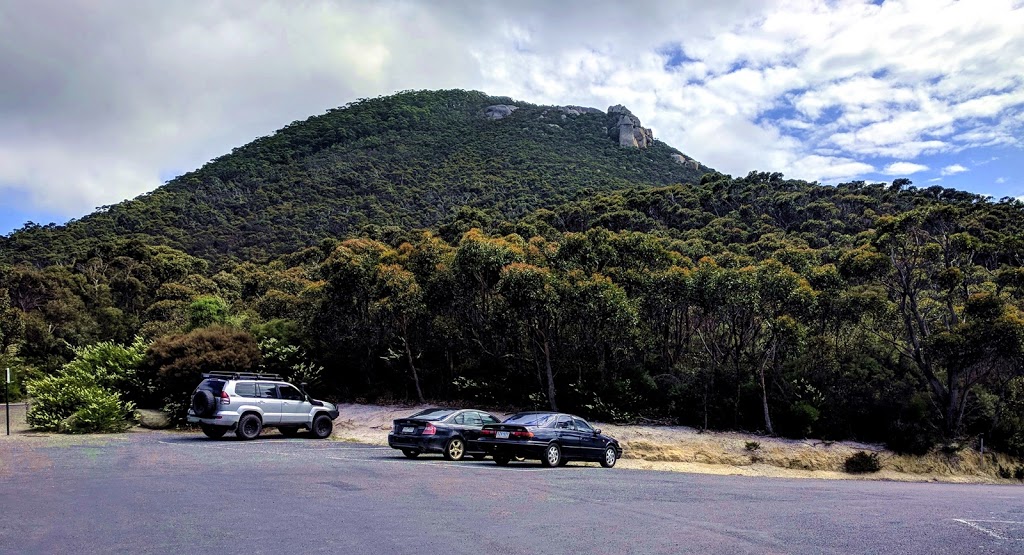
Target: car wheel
{"type": "Point", "coordinates": [203, 403]}
{"type": "Point", "coordinates": [322, 426]}
{"type": "Point", "coordinates": [455, 449]}
{"type": "Point", "coordinates": [609, 458]}
{"type": "Point", "coordinates": [288, 431]}
{"type": "Point", "coordinates": [552, 455]}
{"type": "Point", "coordinates": [410, 453]}
{"type": "Point", "coordinates": [249, 427]}
{"type": "Point", "coordinates": [214, 432]}
{"type": "Point", "coordinates": [479, 456]}
{"type": "Point", "coordinates": [501, 460]}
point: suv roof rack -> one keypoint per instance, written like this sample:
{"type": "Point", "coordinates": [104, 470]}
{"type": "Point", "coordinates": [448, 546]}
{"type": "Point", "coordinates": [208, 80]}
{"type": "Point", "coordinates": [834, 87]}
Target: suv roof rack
{"type": "Point", "coordinates": [243, 376]}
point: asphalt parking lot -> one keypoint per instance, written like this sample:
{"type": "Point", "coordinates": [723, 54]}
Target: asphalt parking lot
{"type": "Point", "coordinates": [160, 492]}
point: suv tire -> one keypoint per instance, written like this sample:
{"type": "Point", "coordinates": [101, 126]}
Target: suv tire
{"type": "Point", "coordinates": [322, 426]}
{"type": "Point", "coordinates": [203, 403]}
{"type": "Point", "coordinates": [249, 427]}
{"type": "Point", "coordinates": [213, 432]}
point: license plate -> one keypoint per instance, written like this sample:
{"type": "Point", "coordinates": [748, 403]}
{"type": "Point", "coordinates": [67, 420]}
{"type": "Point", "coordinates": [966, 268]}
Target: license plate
{"type": "Point", "coordinates": [501, 435]}
{"type": "Point", "coordinates": [408, 430]}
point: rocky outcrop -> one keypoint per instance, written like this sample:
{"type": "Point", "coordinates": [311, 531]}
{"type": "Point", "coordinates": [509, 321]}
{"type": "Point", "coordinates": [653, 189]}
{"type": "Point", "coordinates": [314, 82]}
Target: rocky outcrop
{"type": "Point", "coordinates": [688, 162]}
{"type": "Point", "coordinates": [624, 127]}
{"type": "Point", "coordinates": [499, 111]}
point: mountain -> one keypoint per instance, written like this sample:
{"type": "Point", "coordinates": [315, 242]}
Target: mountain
{"type": "Point", "coordinates": [409, 160]}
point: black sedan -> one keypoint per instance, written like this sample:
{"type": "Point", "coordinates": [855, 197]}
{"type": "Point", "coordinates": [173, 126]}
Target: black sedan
{"type": "Point", "coordinates": [447, 431]}
{"type": "Point", "coordinates": [552, 437]}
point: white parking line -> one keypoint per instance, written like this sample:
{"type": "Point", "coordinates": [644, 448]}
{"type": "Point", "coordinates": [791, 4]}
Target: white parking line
{"type": "Point", "coordinates": [974, 524]}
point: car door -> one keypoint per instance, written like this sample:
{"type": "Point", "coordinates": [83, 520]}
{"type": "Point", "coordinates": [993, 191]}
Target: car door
{"type": "Point", "coordinates": [568, 437]}
{"type": "Point", "coordinates": [294, 407]}
{"type": "Point", "coordinates": [591, 444]}
{"type": "Point", "coordinates": [269, 403]}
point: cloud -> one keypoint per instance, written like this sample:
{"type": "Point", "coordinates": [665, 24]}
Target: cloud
{"type": "Point", "coordinates": [903, 168]}
{"type": "Point", "coordinates": [953, 169]}
{"type": "Point", "coordinates": [101, 98]}
{"type": "Point", "coordinates": [1000, 180]}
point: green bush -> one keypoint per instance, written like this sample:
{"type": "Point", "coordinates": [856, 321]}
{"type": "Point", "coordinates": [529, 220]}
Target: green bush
{"type": "Point", "coordinates": [1004, 473]}
{"type": "Point", "coordinates": [863, 462]}
{"type": "Point", "coordinates": [84, 397]}
{"type": "Point", "coordinates": [73, 403]}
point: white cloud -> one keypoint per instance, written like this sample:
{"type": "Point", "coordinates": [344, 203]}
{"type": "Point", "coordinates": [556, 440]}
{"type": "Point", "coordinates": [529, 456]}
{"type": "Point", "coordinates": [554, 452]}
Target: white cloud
{"type": "Point", "coordinates": [1000, 180]}
{"type": "Point", "coordinates": [953, 169]}
{"type": "Point", "coordinates": [904, 168]}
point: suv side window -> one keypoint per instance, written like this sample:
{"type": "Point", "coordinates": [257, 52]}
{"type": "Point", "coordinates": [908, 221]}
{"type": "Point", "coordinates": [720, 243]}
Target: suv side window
{"type": "Point", "coordinates": [245, 389]}
{"type": "Point", "coordinates": [290, 393]}
{"type": "Point", "coordinates": [266, 390]}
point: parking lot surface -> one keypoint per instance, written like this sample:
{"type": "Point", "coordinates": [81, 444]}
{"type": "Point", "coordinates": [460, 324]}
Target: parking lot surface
{"type": "Point", "coordinates": [161, 492]}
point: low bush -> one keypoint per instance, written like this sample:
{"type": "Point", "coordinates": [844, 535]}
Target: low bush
{"type": "Point", "coordinates": [863, 462]}
{"type": "Point", "coordinates": [752, 446]}
{"type": "Point", "coordinates": [72, 403]}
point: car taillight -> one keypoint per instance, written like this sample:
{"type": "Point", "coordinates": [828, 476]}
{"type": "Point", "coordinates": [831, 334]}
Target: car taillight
{"type": "Point", "coordinates": [486, 432]}
{"type": "Point", "coordinates": [429, 430]}
{"type": "Point", "coordinates": [224, 399]}
{"type": "Point", "coordinates": [522, 434]}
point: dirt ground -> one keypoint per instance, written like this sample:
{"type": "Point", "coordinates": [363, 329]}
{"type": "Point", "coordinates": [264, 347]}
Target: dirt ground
{"type": "Point", "coordinates": [682, 449]}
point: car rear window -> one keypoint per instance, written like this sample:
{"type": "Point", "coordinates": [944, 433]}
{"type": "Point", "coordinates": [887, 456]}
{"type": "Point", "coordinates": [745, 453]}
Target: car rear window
{"type": "Point", "coordinates": [432, 414]}
{"type": "Point", "coordinates": [216, 386]}
{"type": "Point", "coordinates": [529, 419]}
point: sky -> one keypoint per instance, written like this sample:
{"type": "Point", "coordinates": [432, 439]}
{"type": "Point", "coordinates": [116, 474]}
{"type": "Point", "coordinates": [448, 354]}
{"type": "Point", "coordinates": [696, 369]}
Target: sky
{"type": "Point", "coordinates": [103, 100]}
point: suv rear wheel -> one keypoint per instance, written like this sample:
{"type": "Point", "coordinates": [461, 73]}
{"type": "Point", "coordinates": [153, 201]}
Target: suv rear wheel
{"type": "Point", "coordinates": [214, 432]}
{"type": "Point", "coordinates": [322, 426]}
{"type": "Point", "coordinates": [249, 427]}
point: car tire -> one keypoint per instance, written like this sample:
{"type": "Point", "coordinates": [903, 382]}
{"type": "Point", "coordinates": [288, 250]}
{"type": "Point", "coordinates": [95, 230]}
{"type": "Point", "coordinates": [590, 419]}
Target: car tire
{"type": "Point", "coordinates": [322, 426]}
{"type": "Point", "coordinates": [213, 432]}
{"type": "Point", "coordinates": [501, 460]}
{"type": "Point", "coordinates": [552, 455]}
{"type": "Point", "coordinates": [249, 427]}
{"type": "Point", "coordinates": [455, 449]}
{"type": "Point", "coordinates": [288, 431]}
{"type": "Point", "coordinates": [609, 458]}
{"type": "Point", "coordinates": [410, 453]}
{"type": "Point", "coordinates": [203, 403]}
{"type": "Point", "coordinates": [479, 456]}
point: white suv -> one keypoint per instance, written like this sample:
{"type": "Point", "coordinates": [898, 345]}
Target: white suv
{"type": "Point", "coordinates": [247, 403]}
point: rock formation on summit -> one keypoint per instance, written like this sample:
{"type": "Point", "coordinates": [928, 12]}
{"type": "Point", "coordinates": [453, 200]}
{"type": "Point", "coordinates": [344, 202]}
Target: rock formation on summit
{"type": "Point", "coordinates": [626, 128]}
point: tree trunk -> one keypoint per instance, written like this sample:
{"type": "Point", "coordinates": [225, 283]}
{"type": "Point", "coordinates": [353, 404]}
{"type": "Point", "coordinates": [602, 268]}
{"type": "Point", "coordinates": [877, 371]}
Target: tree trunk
{"type": "Point", "coordinates": [415, 374]}
{"type": "Point", "coordinates": [550, 374]}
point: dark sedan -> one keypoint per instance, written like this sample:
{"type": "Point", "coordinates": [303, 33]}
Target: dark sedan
{"type": "Point", "coordinates": [552, 437]}
{"type": "Point", "coordinates": [452, 433]}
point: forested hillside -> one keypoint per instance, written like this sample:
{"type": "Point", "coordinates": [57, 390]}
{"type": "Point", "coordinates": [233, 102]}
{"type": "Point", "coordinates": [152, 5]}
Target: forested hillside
{"type": "Point", "coordinates": [879, 312]}
{"type": "Point", "coordinates": [406, 161]}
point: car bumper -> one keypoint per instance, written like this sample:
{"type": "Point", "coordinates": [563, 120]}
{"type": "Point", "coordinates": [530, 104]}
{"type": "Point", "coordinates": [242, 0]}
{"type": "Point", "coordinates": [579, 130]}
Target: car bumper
{"type": "Point", "coordinates": [226, 420]}
{"type": "Point", "coordinates": [423, 444]}
{"type": "Point", "coordinates": [524, 449]}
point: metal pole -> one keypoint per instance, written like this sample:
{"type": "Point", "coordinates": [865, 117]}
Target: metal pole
{"type": "Point", "coordinates": [7, 400]}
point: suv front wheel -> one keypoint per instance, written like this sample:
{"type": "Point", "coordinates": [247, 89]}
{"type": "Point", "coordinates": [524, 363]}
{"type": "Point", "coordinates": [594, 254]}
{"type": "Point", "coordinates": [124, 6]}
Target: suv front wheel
{"type": "Point", "coordinates": [322, 426]}
{"type": "Point", "coordinates": [249, 427]}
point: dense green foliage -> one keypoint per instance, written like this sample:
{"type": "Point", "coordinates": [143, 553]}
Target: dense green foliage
{"type": "Point", "coordinates": [85, 396]}
{"type": "Point", "coordinates": [869, 311]}
{"type": "Point", "coordinates": [402, 162]}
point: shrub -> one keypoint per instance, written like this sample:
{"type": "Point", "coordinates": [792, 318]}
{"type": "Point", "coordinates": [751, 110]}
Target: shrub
{"type": "Point", "coordinates": [1004, 473]}
{"type": "Point", "coordinates": [752, 446]}
{"type": "Point", "coordinates": [72, 402]}
{"type": "Point", "coordinates": [1019, 473]}
{"type": "Point", "coordinates": [863, 462]}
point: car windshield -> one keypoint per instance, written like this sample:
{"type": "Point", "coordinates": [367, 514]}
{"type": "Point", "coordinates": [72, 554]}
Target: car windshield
{"type": "Point", "coordinates": [432, 414]}
{"type": "Point", "coordinates": [529, 419]}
